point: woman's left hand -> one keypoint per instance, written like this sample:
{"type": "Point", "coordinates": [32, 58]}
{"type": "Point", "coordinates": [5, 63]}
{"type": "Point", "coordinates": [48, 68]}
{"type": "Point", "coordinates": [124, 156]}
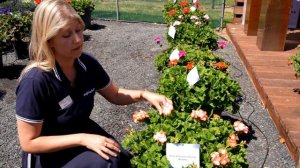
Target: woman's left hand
{"type": "Point", "coordinates": [160, 102]}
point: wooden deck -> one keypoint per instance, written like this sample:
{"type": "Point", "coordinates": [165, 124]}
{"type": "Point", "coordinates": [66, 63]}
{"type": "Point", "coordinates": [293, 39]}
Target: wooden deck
{"type": "Point", "coordinates": [275, 82]}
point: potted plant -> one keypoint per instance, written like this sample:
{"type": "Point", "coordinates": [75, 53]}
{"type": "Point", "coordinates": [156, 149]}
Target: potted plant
{"type": "Point", "coordinates": [84, 8]}
{"type": "Point", "coordinates": [15, 26]}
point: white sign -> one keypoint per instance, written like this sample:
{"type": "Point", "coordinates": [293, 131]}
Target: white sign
{"type": "Point", "coordinates": [193, 76]}
{"type": "Point", "coordinates": [172, 31]}
{"type": "Point", "coordinates": [182, 155]}
{"type": "Point", "coordinates": [174, 55]}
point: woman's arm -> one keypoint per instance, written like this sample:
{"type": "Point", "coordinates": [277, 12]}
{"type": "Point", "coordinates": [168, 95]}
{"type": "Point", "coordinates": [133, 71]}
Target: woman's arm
{"type": "Point", "coordinates": [120, 96]}
{"type": "Point", "coordinates": [32, 142]}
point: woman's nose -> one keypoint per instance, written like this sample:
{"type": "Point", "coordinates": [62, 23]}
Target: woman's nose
{"type": "Point", "coordinates": [78, 37]}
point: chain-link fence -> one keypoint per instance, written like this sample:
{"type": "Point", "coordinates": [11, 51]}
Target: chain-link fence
{"type": "Point", "coordinates": [151, 10]}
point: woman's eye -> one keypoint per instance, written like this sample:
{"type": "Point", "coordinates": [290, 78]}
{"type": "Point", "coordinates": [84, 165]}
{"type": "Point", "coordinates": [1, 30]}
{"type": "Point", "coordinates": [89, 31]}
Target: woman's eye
{"type": "Point", "coordinates": [78, 30]}
{"type": "Point", "coordinates": [66, 35]}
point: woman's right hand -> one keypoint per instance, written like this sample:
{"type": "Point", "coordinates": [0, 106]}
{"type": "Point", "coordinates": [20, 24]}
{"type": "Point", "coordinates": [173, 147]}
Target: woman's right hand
{"type": "Point", "coordinates": [100, 144]}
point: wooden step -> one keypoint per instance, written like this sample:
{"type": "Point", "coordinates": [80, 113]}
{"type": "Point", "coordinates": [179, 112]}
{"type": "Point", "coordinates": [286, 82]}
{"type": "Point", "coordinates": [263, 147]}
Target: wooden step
{"type": "Point", "coordinates": [238, 10]}
{"type": "Point", "coordinates": [237, 20]}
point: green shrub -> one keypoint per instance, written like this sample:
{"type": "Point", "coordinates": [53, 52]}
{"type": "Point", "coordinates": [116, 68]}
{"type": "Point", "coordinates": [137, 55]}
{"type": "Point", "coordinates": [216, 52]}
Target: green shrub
{"type": "Point", "coordinates": [296, 63]}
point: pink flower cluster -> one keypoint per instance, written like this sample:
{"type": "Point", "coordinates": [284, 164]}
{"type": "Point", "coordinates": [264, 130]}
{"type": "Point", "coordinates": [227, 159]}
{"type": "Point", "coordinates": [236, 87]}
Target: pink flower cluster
{"type": "Point", "coordinates": [220, 157]}
{"type": "Point", "coordinates": [232, 140]}
{"type": "Point", "coordinates": [167, 109]}
{"type": "Point", "coordinates": [182, 54]}
{"type": "Point", "coordinates": [239, 127]}
{"type": "Point", "coordinates": [222, 44]}
{"type": "Point", "coordinates": [157, 40]}
{"type": "Point", "coordinates": [139, 116]}
{"type": "Point", "coordinates": [160, 137]}
{"type": "Point", "coordinates": [199, 115]}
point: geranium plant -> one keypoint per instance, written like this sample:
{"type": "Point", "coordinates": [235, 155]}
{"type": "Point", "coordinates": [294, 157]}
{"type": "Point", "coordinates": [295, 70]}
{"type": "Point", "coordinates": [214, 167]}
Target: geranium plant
{"type": "Point", "coordinates": [180, 127]}
{"type": "Point", "coordinates": [192, 54]}
{"type": "Point", "coordinates": [215, 91]}
{"type": "Point", "coordinates": [82, 6]}
{"type": "Point", "coordinates": [191, 24]}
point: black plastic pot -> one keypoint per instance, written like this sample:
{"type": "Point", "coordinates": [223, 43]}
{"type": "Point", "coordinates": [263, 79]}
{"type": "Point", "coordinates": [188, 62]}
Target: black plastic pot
{"type": "Point", "coordinates": [87, 18]}
{"type": "Point", "coordinates": [21, 49]}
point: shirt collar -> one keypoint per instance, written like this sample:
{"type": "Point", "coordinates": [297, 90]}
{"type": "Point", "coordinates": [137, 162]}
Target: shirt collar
{"type": "Point", "coordinates": [79, 65]}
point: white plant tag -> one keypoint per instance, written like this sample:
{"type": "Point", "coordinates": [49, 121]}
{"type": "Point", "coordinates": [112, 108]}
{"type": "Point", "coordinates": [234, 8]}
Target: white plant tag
{"type": "Point", "coordinates": [193, 76]}
{"type": "Point", "coordinates": [174, 55]}
{"type": "Point", "coordinates": [172, 31]}
{"type": "Point", "coordinates": [182, 155]}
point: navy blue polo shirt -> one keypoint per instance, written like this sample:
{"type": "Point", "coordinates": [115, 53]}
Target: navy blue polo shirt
{"type": "Point", "coordinates": [47, 96]}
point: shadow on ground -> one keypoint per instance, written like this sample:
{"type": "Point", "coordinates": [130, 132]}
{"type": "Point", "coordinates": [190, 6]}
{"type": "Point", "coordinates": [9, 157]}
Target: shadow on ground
{"type": "Point", "coordinates": [2, 94]}
{"type": "Point", "coordinates": [96, 26]}
{"type": "Point", "coordinates": [11, 72]}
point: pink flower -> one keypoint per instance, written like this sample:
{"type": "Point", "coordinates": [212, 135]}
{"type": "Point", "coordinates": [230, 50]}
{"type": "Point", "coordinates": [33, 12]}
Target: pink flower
{"type": "Point", "coordinates": [157, 40]}
{"type": "Point", "coordinates": [167, 108]}
{"type": "Point", "coordinates": [222, 151]}
{"type": "Point", "coordinates": [222, 44]}
{"type": "Point", "coordinates": [139, 116]}
{"type": "Point", "coordinates": [199, 115]}
{"type": "Point", "coordinates": [160, 137]}
{"type": "Point", "coordinates": [232, 140]}
{"type": "Point", "coordinates": [220, 157]}
{"type": "Point", "coordinates": [239, 126]}
{"type": "Point", "coordinates": [182, 54]}
{"type": "Point", "coordinates": [224, 160]}
{"type": "Point", "coordinates": [206, 16]}
{"type": "Point", "coordinates": [215, 158]}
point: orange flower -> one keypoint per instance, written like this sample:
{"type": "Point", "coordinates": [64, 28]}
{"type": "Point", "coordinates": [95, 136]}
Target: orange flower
{"type": "Point", "coordinates": [197, 3]}
{"type": "Point", "coordinates": [37, 1]}
{"type": "Point", "coordinates": [221, 66]}
{"type": "Point", "coordinates": [183, 3]}
{"type": "Point", "coordinates": [186, 10]}
{"type": "Point", "coordinates": [139, 116]}
{"type": "Point", "coordinates": [68, 1]}
{"type": "Point", "coordinates": [172, 12]}
{"type": "Point", "coordinates": [189, 66]}
{"type": "Point", "coordinates": [202, 9]}
{"type": "Point", "coordinates": [173, 63]}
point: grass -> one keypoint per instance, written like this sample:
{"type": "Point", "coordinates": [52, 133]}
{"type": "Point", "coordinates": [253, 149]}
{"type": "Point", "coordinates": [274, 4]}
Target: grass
{"type": "Point", "coordinates": [151, 10]}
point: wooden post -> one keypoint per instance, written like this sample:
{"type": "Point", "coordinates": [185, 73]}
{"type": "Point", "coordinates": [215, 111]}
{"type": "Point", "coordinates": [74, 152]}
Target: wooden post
{"type": "Point", "coordinates": [273, 24]}
{"type": "Point", "coordinates": [253, 8]}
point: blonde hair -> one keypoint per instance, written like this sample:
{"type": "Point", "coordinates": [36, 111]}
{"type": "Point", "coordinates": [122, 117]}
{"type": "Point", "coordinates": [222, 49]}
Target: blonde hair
{"type": "Point", "coordinates": [49, 17]}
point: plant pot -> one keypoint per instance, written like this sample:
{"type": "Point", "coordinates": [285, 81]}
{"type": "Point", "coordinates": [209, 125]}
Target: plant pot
{"type": "Point", "coordinates": [21, 49]}
{"type": "Point", "coordinates": [87, 18]}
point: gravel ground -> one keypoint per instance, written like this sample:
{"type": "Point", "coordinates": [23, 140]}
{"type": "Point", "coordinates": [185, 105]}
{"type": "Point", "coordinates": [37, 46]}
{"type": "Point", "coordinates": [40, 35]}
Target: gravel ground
{"type": "Point", "coordinates": [126, 51]}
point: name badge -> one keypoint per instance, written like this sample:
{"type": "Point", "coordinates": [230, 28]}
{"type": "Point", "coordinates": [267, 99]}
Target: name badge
{"type": "Point", "coordinates": [66, 102]}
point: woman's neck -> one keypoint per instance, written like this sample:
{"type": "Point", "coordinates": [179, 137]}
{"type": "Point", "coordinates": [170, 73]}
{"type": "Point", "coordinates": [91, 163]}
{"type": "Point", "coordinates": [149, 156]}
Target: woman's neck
{"type": "Point", "coordinates": [68, 68]}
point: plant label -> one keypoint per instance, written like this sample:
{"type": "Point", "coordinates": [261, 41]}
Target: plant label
{"type": "Point", "coordinates": [174, 55]}
{"type": "Point", "coordinates": [193, 76]}
{"type": "Point", "coordinates": [182, 155]}
{"type": "Point", "coordinates": [172, 31]}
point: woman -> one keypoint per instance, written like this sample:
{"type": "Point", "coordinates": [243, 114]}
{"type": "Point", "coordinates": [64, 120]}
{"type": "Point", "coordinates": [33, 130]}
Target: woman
{"type": "Point", "coordinates": [56, 92]}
